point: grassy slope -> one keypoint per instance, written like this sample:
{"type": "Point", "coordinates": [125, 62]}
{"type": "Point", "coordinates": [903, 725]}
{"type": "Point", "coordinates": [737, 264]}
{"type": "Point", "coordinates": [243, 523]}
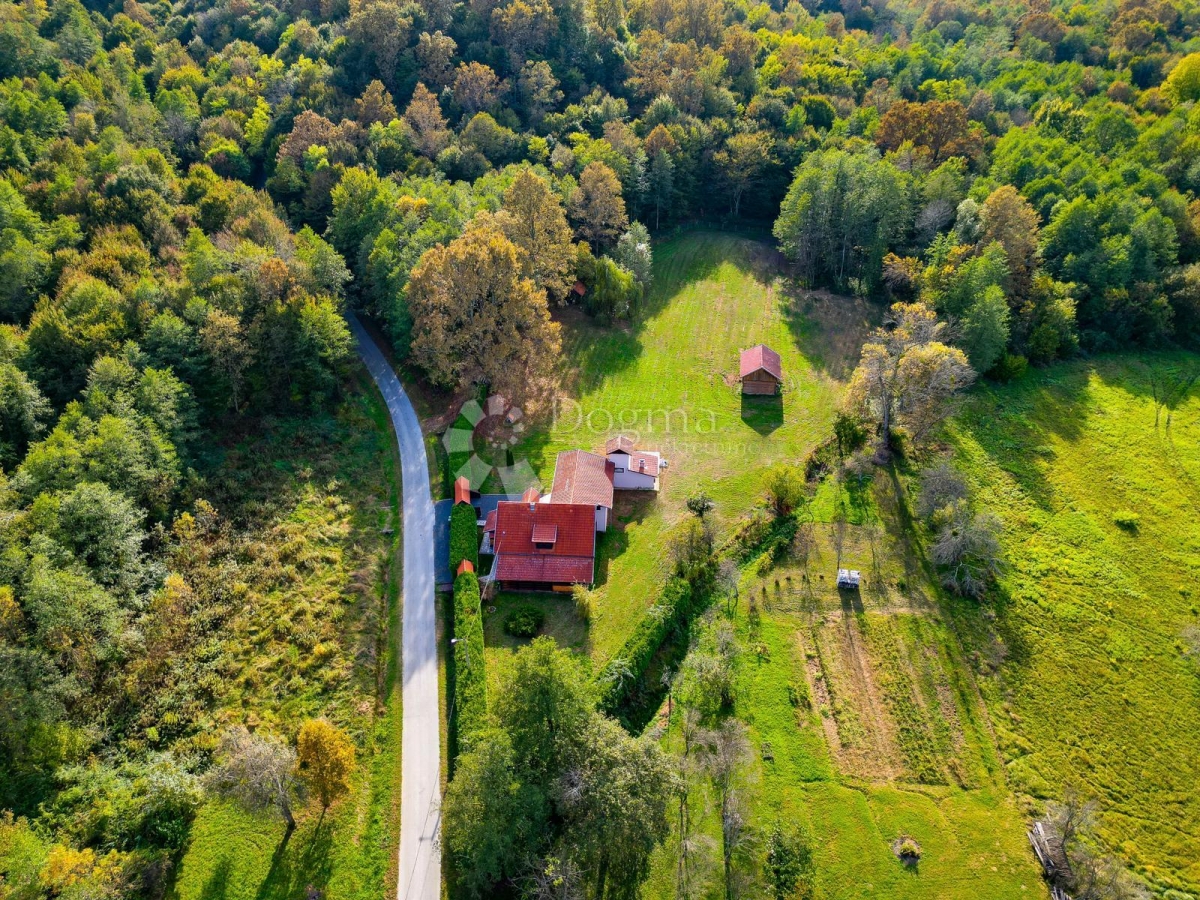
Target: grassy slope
{"type": "Point", "coordinates": [325, 488]}
{"type": "Point", "coordinates": [1095, 689]}
{"type": "Point", "coordinates": [715, 294]}
{"type": "Point", "coordinates": [888, 737]}
{"type": "Point", "coordinates": [669, 377]}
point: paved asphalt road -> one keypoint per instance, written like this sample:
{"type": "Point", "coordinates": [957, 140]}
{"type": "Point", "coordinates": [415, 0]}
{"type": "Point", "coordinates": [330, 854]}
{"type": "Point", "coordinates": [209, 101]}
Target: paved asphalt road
{"type": "Point", "coordinates": [420, 802]}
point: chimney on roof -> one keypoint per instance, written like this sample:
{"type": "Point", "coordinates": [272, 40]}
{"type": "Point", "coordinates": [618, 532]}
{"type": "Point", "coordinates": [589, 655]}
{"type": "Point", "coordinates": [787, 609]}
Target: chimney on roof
{"type": "Point", "coordinates": [641, 465]}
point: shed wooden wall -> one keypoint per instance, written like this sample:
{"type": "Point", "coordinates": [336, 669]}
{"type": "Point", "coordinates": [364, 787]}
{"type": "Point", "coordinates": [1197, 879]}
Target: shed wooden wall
{"type": "Point", "coordinates": [760, 382]}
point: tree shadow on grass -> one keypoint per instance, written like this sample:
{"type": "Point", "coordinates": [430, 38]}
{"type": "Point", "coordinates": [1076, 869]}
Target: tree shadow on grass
{"type": "Point", "coordinates": [1014, 424]}
{"type": "Point", "coordinates": [597, 350]}
{"type": "Point", "coordinates": [829, 329]}
{"type": "Point", "coordinates": [217, 886]}
{"type": "Point", "coordinates": [763, 413]}
{"type": "Point", "coordinates": [300, 866]}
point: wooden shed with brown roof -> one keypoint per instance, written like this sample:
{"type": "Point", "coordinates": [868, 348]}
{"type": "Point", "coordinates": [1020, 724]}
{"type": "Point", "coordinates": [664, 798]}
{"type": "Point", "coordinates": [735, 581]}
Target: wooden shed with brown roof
{"type": "Point", "coordinates": [761, 370]}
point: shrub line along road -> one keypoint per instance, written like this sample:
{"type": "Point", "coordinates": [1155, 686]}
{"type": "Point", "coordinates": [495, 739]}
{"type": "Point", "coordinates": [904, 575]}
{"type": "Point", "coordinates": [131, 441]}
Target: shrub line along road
{"type": "Point", "coordinates": [420, 800]}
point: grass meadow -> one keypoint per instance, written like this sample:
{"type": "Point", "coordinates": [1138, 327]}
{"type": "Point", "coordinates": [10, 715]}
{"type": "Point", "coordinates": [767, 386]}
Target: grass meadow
{"type": "Point", "coordinates": [669, 377]}
{"type": "Point", "coordinates": [321, 495]}
{"type": "Point", "coordinates": [899, 710]}
{"type": "Point", "coordinates": [1098, 486]}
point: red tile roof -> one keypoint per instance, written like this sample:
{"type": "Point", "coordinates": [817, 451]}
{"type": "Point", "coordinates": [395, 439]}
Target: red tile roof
{"type": "Point", "coordinates": [582, 477]}
{"type": "Point", "coordinates": [519, 526]}
{"type": "Point", "coordinates": [545, 534]}
{"type": "Point", "coordinates": [489, 521]}
{"type": "Point", "coordinates": [531, 495]}
{"type": "Point", "coordinates": [763, 357]}
{"type": "Point", "coordinates": [644, 463]}
{"type": "Point", "coordinates": [465, 566]}
{"type": "Point", "coordinates": [462, 490]}
{"type": "Point", "coordinates": [621, 442]}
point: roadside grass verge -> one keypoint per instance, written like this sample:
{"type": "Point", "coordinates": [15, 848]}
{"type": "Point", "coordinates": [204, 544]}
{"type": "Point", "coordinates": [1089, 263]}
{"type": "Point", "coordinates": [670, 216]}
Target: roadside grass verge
{"type": "Point", "coordinates": [316, 640]}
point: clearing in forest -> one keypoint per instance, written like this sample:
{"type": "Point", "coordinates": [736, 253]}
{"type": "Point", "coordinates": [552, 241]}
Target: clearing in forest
{"type": "Point", "coordinates": [669, 376]}
{"type": "Point", "coordinates": [863, 714]}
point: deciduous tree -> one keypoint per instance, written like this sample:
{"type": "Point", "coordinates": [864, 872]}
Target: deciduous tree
{"type": "Point", "coordinates": [744, 161]}
{"type": "Point", "coordinates": [534, 220]}
{"type": "Point", "coordinates": [424, 117]}
{"type": "Point", "coordinates": [1010, 220]}
{"type": "Point", "coordinates": [939, 126]}
{"type": "Point", "coordinates": [477, 316]}
{"type": "Point", "coordinates": [597, 207]}
{"type": "Point", "coordinates": [256, 771]}
{"type": "Point", "coordinates": [907, 375]}
{"type": "Point", "coordinates": [326, 755]}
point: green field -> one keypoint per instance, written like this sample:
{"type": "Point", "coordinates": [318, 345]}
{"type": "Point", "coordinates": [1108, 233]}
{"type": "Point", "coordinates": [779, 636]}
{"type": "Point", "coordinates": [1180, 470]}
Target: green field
{"type": "Point", "coordinates": [866, 724]}
{"type": "Point", "coordinates": [893, 737]}
{"type": "Point", "coordinates": [669, 377]}
{"type": "Point", "coordinates": [1094, 687]}
{"type": "Point", "coordinates": [318, 644]}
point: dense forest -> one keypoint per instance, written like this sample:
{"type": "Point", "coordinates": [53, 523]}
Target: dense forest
{"type": "Point", "coordinates": [191, 195]}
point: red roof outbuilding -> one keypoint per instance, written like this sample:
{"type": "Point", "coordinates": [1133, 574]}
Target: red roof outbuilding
{"type": "Point", "coordinates": [582, 477]}
{"type": "Point", "coordinates": [620, 444]}
{"type": "Point", "coordinates": [545, 543]}
{"type": "Point", "coordinates": [462, 490]}
{"type": "Point", "coordinates": [760, 356]}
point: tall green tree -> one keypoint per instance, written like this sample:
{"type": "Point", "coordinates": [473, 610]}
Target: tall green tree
{"type": "Point", "coordinates": [841, 216]}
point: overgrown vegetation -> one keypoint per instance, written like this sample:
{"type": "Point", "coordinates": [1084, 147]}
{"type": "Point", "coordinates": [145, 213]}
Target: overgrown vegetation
{"type": "Point", "coordinates": [554, 793]}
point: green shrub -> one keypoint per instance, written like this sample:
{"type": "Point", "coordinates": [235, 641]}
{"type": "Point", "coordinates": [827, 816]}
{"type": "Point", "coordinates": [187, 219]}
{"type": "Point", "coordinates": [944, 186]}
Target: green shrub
{"type": "Point", "coordinates": [849, 434]}
{"type": "Point", "coordinates": [1127, 519]}
{"type": "Point", "coordinates": [1010, 367]}
{"type": "Point", "coordinates": [470, 677]}
{"type": "Point", "coordinates": [908, 849]}
{"type": "Point", "coordinates": [525, 621]}
{"type": "Point", "coordinates": [676, 606]}
{"type": "Point", "coordinates": [585, 602]}
{"type": "Point", "coordinates": [464, 536]}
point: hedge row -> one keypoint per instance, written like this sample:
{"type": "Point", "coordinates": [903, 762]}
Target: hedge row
{"type": "Point", "coordinates": [470, 677]}
{"type": "Point", "coordinates": [464, 536]}
{"type": "Point", "coordinates": [676, 605]}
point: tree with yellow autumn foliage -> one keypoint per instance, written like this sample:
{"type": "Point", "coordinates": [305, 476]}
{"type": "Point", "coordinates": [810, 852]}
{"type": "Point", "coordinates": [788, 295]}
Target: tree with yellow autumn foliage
{"type": "Point", "coordinates": [477, 316]}
{"type": "Point", "coordinates": [326, 756]}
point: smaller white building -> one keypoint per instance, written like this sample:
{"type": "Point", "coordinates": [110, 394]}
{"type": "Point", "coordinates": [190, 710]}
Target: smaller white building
{"type": "Point", "coordinates": [633, 469]}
